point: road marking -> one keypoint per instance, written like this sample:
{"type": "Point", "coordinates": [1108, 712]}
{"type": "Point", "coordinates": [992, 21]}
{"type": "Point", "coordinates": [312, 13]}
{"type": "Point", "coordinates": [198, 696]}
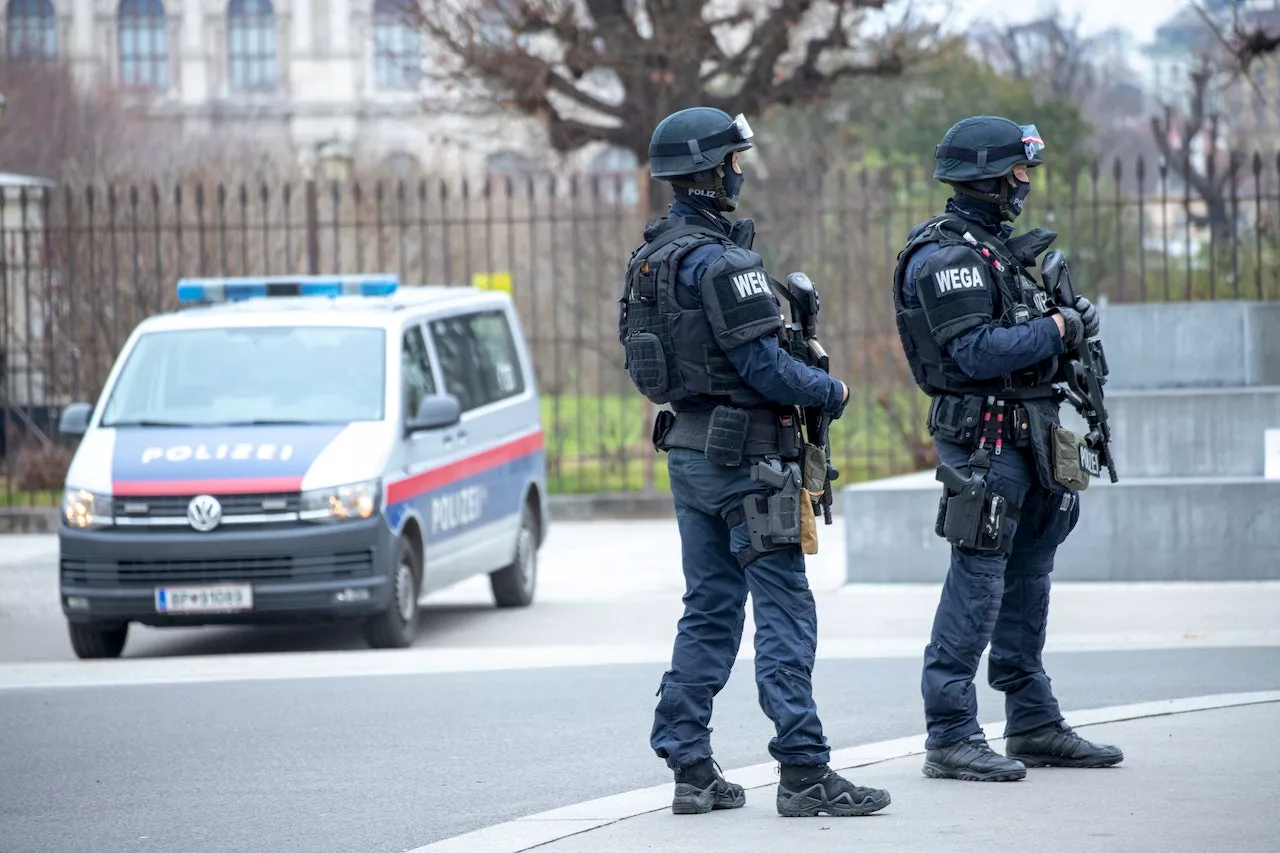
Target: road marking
{"type": "Point", "coordinates": [439, 661]}
{"type": "Point", "coordinates": [546, 827]}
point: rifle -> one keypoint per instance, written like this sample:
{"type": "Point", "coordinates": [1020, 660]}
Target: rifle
{"type": "Point", "coordinates": [1084, 370]}
{"type": "Point", "coordinates": [802, 336]}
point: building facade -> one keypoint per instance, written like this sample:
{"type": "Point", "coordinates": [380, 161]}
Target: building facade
{"type": "Point", "coordinates": [334, 78]}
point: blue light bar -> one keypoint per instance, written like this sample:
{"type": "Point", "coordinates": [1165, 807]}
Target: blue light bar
{"type": "Point", "coordinates": [237, 289]}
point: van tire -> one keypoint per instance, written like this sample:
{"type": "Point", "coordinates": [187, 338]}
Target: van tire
{"type": "Point", "coordinates": [397, 626]}
{"type": "Point", "coordinates": [514, 585]}
{"type": "Point", "coordinates": [97, 640]}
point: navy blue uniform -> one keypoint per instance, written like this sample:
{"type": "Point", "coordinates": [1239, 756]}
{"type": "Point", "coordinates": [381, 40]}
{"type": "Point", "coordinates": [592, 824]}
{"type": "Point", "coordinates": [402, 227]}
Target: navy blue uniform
{"type": "Point", "coordinates": [710, 631]}
{"type": "Point", "coordinates": [989, 598]}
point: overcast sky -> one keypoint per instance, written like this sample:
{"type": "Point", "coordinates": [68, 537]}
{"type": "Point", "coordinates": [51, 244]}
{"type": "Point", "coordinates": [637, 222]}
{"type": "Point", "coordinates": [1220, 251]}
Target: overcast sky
{"type": "Point", "coordinates": [1141, 17]}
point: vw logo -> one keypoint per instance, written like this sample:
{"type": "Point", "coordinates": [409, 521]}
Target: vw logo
{"type": "Point", "coordinates": [204, 512]}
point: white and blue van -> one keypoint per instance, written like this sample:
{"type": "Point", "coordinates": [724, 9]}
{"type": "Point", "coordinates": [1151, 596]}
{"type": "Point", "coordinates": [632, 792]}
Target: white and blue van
{"type": "Point", "coordinates": [305, 448]}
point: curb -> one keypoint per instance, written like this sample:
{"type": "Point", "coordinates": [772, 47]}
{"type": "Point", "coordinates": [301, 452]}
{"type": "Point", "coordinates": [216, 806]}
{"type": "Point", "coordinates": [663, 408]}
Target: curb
{"type": "Point", "coordinates": [550, 826]}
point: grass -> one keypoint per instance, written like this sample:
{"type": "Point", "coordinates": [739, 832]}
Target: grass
{"type": "Point", "coordinates": [12, 498]}
{"type": "Point", "coordinates": [600, 444]}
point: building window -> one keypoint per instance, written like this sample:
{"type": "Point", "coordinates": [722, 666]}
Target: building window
{"type": "Point", "coordinates": [251, 44]}
{"type": "Point", "coordinates": [397, 45]}
{"type": "Point", "coordinates": [144, 44]}
{"type": "Point", "coordinates": [33, 30]}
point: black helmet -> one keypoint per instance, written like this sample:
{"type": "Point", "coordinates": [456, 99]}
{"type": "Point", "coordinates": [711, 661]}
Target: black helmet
{"type": "Point", "coordinates": [695, 140]}
{"type": "Point", "coordinates": [978, 154]}
{"type": "Point", "coordinates": [982, 147]}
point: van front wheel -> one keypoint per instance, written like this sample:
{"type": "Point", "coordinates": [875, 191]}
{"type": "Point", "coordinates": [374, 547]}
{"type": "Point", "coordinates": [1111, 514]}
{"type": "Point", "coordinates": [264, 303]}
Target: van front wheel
{"type": "Point", "coordinates": [397, 626]}
{"type": "Point", "coordinates": [95, 640]}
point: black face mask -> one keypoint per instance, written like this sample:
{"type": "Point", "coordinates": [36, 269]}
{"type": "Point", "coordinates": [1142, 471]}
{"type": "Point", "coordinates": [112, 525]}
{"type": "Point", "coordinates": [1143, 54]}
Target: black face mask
{"type": "Point", "coordinates": [732, 183]}
{"type": "Point", "coordinates": [1015, 194]}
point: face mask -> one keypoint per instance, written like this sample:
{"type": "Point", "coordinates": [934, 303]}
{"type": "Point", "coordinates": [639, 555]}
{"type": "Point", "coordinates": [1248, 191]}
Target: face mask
{"type": "Point", "coordinates": [732, 184]}
{"type": "Point", "coordinates": [1015, 196]}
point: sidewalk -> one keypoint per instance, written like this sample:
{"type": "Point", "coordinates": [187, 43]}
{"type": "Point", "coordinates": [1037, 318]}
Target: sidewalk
{"type": "Point", "coordinates": [1197, 781]}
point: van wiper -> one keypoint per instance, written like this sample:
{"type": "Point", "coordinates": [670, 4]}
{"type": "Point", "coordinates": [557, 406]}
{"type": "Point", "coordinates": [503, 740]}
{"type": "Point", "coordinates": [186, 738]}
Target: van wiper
{"type": "Point", "coordinates": [145, 422]}
{"type": "Point", "coordinates": [270, 422]}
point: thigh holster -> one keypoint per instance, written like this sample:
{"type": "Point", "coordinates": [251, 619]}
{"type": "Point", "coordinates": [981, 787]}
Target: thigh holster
{"type": "Point", "coordinates": [773, 520]}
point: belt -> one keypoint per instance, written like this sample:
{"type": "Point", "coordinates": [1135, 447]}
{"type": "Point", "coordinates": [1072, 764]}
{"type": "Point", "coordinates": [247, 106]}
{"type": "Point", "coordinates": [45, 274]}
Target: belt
{"type": "Point", "coordinates": [690, 431]}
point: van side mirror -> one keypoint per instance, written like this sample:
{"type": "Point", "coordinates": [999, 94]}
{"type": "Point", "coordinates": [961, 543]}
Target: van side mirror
{"type": "Point", "coordinates": [436, 411]}
{"type": "Point", "coordinates": [74, 419]}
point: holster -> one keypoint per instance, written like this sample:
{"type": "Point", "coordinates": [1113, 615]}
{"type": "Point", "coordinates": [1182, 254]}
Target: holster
{"type": "Point", "coordinates": [774, 520]}
{"type": "Point", "coordinates": [967, 515]}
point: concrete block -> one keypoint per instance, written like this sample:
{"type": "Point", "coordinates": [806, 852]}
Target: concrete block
{"type": "Point", "coordinates": [1210, 528]}
{"type": "Point", "coordinates": [1202, 432]}
{"type": "Point", "coordinates": [1192, 344]}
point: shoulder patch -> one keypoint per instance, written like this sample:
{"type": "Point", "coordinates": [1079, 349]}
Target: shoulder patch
{"type": "Point", "coordinates": [749, 284]}
{"type": "Point", "coordinates": [957, 279]}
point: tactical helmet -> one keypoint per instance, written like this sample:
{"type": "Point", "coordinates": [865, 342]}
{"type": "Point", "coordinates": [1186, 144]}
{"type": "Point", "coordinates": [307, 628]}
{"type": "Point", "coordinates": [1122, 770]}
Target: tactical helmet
{"type": "Point", "coordinates": [695, 140]}
{"type": "Point", "coordinates": [981, 147]}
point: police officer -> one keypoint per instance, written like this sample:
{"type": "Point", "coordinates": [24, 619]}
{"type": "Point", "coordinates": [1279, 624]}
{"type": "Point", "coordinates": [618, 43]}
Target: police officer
{"type": "Point", "coordinates": [700, 325]}
{"type": "Point", "coordinates": [983, 339]}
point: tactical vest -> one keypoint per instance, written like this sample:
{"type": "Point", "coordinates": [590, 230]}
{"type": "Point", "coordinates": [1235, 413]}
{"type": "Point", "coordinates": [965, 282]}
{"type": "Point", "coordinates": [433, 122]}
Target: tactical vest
{"type": "Point", "coordinates": [1018, 299]}
{"type": "Point", "coordinates": [671, 351]}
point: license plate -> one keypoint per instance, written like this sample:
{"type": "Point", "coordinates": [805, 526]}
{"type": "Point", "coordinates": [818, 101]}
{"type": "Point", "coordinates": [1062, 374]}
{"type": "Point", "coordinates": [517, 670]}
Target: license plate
{"type": "Point", "coordinates": [204, 599]}
{"type": "Point", "coordinates": [1089, 460]}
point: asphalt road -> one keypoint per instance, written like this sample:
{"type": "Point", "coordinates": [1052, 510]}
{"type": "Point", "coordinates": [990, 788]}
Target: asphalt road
{"type": "Point", "coordinates": [386, 763]}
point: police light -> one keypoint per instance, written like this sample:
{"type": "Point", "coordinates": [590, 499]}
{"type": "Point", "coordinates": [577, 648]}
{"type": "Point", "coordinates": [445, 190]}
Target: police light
{"type": "Point", "coordinates": [238, 289]}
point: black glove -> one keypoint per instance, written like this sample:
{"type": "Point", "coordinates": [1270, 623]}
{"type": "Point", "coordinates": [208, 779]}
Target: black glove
{"type": "Point", "coordinates": [1073, 327]}
{"type": "Point", "coordinates": [1089, 315]}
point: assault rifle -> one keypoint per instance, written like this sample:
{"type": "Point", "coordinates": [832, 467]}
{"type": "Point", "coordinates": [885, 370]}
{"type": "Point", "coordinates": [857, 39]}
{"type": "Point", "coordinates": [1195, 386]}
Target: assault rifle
{"type": "Point", "coordinates": [1084, 371]}
{"type": "Point", "coordinates": [802, 342]}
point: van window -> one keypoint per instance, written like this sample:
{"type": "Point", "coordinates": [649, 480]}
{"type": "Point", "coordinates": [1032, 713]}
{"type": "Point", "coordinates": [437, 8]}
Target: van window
{"type": "Point", "coordinates": [415, 369]}
{"type": "Point", "coordinates": [478, 358]}
{"type": "Point", "coordinates": [251, 375]}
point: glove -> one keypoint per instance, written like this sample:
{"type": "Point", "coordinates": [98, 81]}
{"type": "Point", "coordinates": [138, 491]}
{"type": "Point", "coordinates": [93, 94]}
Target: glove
{"type": "Point", "coordinates": [1089, 316]}
{"type": "Point", "coordinates": [1073, 327]}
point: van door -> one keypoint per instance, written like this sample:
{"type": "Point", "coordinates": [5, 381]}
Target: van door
{"type": "Point", "coordinates": [480, 365]}
{"type": "Point", "coordinates": [423, 456]}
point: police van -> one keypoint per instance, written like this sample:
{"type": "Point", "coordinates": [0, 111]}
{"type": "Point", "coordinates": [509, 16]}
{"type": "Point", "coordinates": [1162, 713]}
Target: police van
{"type": "Point", "coordinates": [304, 448]}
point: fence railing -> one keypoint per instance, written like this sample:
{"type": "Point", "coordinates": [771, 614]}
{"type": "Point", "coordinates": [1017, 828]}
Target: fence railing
{"type": "Point", "coordinates": [81, 266]}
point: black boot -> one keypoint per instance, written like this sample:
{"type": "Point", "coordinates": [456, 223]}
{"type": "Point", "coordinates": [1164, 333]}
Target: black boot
{"type": "Point", "coordinates": [700, 788]}
{"type": "Point", "coordinates": [972, 760]}
{"type": "Point", "coordinates": [1056, 745]}
{"type": "Point", "coordinates": [810, 791]}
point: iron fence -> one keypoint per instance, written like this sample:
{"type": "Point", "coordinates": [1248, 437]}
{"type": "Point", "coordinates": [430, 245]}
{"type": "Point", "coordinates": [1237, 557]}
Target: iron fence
{"type": "Point", "coordinates": [82, 265]}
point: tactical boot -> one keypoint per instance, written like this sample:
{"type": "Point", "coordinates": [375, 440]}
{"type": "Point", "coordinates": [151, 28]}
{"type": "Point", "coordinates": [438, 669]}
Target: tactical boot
{"type": "Point", "coordinates": [972, 760]}
{"type": "Point", "coordinates": [810, 791]}
{"type": "Point", "coordinates": [700, 788]}
{"type": "Point", "coordinates": [1056, 745]}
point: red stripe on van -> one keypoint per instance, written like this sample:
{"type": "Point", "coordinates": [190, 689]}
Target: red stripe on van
{"type": "Point", "coordinates": [410, 487]}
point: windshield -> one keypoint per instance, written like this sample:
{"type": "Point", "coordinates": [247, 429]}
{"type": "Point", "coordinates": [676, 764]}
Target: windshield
{"type": "Point", "coordinates": [241, 376]}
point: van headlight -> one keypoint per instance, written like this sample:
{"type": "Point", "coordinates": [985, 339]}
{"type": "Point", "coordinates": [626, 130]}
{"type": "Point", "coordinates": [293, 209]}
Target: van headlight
{"type": "Point", "coordinates": [354, 500]}
{"type": "Point", "coordinates": [83, 509]}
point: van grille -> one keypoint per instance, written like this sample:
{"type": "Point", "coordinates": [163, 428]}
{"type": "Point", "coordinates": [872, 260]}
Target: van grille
{"type": "Point", "coordinates": [171, 506]}
{"type": "Point", "coordinates": [311, 567]}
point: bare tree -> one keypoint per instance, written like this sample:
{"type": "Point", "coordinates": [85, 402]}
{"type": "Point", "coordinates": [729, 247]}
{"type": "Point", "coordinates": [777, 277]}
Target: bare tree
{"type": "Point", "coordinates": [1051, 50]}
{"type": "Point", "coordinates": [609, 70]}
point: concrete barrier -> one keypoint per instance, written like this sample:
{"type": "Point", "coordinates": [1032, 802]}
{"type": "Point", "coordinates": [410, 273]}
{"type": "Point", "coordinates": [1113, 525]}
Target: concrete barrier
{"type": "Point", "coordinates": [1192, 344]}
{"type": "Point", "coordinates": [1186, 528]}
{"type": "Point", "coordinates": [1188, 432]}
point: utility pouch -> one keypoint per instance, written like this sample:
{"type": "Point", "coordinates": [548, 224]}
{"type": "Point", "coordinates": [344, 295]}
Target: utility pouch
{"type": "Point", "coordinates": [1021, 427]}
{"type": "Point", "coordinates": [1042, 419]}
{"type": "Point", "coordinates": [955, 419]}
{"type": "Point", "coordinates": [662, 425]}
{"type": "Point", "coordinates": [788, 438]}
{"type": "Point", "coordinates": [815, 470]}
{"type": "Point", "coordinates": [1073, 460]}
{"type": "Point", "coordinates": [808, 524]}
{"type": "Point", "coordinates": [727, 435]}
{"type": "Point", "coordinates": [647, 365]}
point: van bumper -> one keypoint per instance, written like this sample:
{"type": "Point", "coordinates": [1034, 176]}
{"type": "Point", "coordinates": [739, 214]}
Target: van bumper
{"type": "Point", "coordinates": [299, 573]}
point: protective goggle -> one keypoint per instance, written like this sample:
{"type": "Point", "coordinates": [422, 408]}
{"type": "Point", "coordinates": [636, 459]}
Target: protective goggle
{"type": "Point", "coordinates": [1032, 142]}
{"type": "Point", "coordinates": [739, 130]}
{"type": "Point", "coordinates": [742, 128]}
